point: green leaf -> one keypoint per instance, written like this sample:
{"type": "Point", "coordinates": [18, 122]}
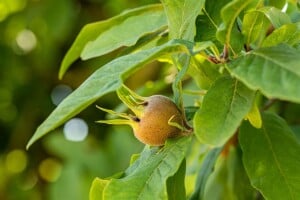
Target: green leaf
{"type": "Point", "coordinates": [254, 116]}
{"type": "Point", "coordinates": [229, 180]}
{"type": "Point", "coordinates": [207, 23]}
{"type": "Point", "coordinates": [276, 3]}
{"type": "Point", "coordinates": [288, 34]}
{"type": "Point", "coordinates": [212, 10]}
{"type": "Point", "coordinates": [275, 71]}
{"type": "Point", "coordinates": [255, 25]}
{"type": "Point", "coordinates": [204, 72]}
{"type": "Point", "coordinates": [276, 16]}
{"type": "Point", "coordinates": [131, 29]}
{"type": "Point", "coordinates": [224, 106]}
{"type": "Point", "coordinates": [96, 191]}
{"type": "Point", "coordinates": [228, 32]}
{"type": "Point", "coordinates": [106, 79]}
{"type": "Point", "coordinates": [92, 31]}
{"type": "Point", "coordinates": [205, 29]}
{"type": "Point", "coordinates": [181, 16]}
{"type": "Point", "coordinates": [206, 169]}
{"type": "Point", "coordinates": [175, 184]}
{"type": "Point", "coordinates": [146, 178]}
{"type": "Point", "coordinates": [271, 158]}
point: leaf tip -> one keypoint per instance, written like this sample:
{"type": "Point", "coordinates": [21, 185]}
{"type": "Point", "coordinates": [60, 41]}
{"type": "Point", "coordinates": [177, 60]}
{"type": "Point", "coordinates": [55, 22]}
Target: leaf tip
{"type": "Point", "coordinates": [30, 142]}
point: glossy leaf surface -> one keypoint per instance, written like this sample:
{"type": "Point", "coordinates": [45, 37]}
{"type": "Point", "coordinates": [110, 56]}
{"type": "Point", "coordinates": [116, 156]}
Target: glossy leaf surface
{"type": "Point", "coordinates": [271, 158]}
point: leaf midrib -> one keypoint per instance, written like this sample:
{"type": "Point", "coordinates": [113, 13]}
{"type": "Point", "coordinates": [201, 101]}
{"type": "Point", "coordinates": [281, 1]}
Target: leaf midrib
{"type": "Point", "coordinates": [274, 62]}
{"type": "Point", "coordinates": [277, 162]}
{"type": "Point", "coordinates": [152, 172]}
{"type": "Point", "coordinates": [228, 34]}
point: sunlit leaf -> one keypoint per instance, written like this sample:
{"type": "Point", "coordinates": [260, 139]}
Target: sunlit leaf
{"type": "Point", "coordinates": [288, 34]}
{"type": "Point", "coordinates": [146, 178]}
{"type": "Point", "coordinates": [228, 32]}
{"type": "Point", "coordinates": [216, 121]}
{"type": "Point", "coordinates": [275, 71]}
{"type": "Point", "coordinates": [106, 79]}
{"type": "Point", "coordinates": [181, 16]}
{"type": "Point", "coordinates": [91, 31]}
{"type": "Point", "coordinates": [254, 116]}
{"type": "Point", "coordinates": [276, 16]}
{"type": "Point", "coordinates": [96, 191]}
{"type": "Point", "coordinates": [271, 158]}
{"type": "Point", "coordinates": [255, 25]}
{"type": "Point", "coordinates": [125, 33]}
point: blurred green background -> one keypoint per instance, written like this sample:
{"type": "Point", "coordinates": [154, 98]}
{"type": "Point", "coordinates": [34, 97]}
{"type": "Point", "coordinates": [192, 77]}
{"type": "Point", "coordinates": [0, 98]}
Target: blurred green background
{"type": "Point", "coordinates": [34, 37]}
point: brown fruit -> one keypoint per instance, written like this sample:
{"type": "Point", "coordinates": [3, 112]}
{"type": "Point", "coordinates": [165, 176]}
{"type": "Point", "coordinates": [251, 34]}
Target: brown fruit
{"type": "Point", "coordinates": [153, 126]}
{"type": "Point", "coordinates": [156, 119]}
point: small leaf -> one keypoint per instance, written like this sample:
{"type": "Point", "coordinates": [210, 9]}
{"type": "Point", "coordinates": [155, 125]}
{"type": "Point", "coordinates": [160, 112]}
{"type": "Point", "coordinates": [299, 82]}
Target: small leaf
{"type": "Point", "coordinates": [254, 116]}
{"type": "Point", "coordinates": [181, 16]}
{"type": "Point", "coordinates": [204, 72]}
{"type": "Point", "coordinates": [146, 178]}
{"type": "Point", "coordinates": [175, 184]}
{"type": "Point", "coordinates": [255, 25]}
{"type": "Point", "coordinates": [92, 31]}
{"type": "Point", "coordinates": [216, 121]}
{"type": "Point", "coordinates": [131, 29]}
{"type": "Point", "coordinates": [96, 190]}
{"type": "Point", "coordinates": [275, 71]}
{"type": "Point", "coordinates": [213, 8]}
{"type": "Point", "coordinates": [271, 158]}
{"type": "Point", "coordinates": [276, 16]}
{"type": "Point", "coordinates": [228, 32]}
{"type": "Point", "coordinates": [106, 79]}
{"type": "Point", "coordinates": [288, 34]}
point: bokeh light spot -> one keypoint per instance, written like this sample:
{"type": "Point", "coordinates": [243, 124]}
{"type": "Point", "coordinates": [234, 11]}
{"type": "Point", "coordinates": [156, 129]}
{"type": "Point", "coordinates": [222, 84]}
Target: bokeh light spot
{"type": "Point", "coordinates": [76, 129]}
{"type": "Point", "coordinates": [16, 161]}
{"type": "Point", "coordinates": [50, 169]}
{"type": "Point", "coordinates": [59, 93]}
{"type": "Point", "coordinates": [26, 40]}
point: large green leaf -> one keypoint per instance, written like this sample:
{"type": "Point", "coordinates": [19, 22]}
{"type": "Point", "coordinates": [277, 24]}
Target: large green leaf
{"type": "Point", "coordinates": [229, 180]}
{"type": "Point", "coordinates": [275, 71]}
{"type": "Point", "coordinates": [175, 184]}
{"type": "Point", "coordinates": [126, 33]}
{"type": "Point", "coordinates": [288, 34]}
{"type": "Point", "coordinates": [271, 158]}
{"type": "Point", "coordinates": [146, 178]}
{"type": "Point", "coordinates": [224, 106]}
{"type": "Point", "coordinates": [106, 79]}
{"type": "Point", "coordinates": [181, 16]}
{"type": "Point", "coordinates": [228, 32]}
{"type": "Point", "coordinates": [92, 31]}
